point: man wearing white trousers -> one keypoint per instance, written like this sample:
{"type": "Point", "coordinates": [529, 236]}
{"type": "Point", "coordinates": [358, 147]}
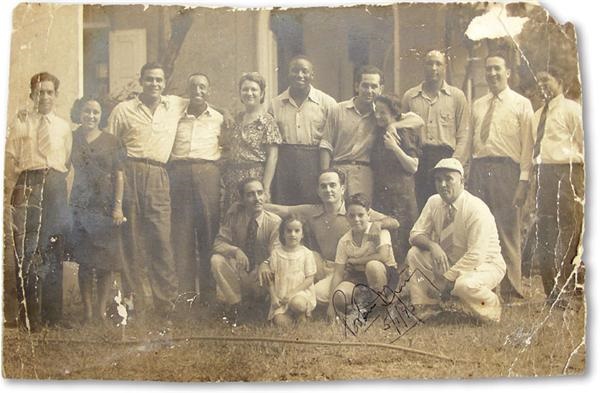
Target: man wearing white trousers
{"type": "Point", "coordinates": [455, 250]}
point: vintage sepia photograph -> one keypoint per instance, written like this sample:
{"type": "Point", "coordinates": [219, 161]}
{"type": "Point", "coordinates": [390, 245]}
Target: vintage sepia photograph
{"type": "Point", "coordinates": [359, 192]}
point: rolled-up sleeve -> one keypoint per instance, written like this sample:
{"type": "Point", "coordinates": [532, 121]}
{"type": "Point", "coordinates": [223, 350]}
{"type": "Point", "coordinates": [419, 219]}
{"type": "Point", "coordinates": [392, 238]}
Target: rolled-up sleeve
{"type": "Point", "coordinates": [526, 123]}
{"type": "Point", "coordinates": [424, 224]}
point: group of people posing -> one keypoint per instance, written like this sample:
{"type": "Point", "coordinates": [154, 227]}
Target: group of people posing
{"type": "Point", "coordinates": [295, 204]}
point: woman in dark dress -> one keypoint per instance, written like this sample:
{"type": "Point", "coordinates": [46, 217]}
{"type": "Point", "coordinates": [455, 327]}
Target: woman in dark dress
{"type": "Point", "coordinates": [394, 160]}
{"type": "Point", "coordinates": [96, 202]}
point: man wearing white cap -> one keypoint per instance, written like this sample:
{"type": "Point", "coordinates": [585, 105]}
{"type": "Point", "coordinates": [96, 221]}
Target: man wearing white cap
{"type": "Point", "coordinates": [455, 250]}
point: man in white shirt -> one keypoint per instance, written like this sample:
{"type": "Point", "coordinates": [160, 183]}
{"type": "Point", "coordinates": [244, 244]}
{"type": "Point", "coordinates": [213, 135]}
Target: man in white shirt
{"type": "Point", "coordinates": [559, 171]}
{"type": "Point", "coordinates": [146, 125]}
{"type": "Point", "coordinates": [501, 123]}
{"type": "Point", "coordinates": [445, 111]}
{"type": "Point", "coordinates": [350, 133]}
{"type": "Point", "coordinates": [300, 112]}
{"type": "Point", "coordinates": [38, 153]}
{"type": "Point", "coordinates": [455, 250]}
{"type": "Point", "coordinates": [194, 179]}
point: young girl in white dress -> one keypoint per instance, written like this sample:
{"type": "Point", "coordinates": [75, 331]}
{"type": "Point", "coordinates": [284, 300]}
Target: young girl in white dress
{"type": "Point", "coordinates": [293, 268]}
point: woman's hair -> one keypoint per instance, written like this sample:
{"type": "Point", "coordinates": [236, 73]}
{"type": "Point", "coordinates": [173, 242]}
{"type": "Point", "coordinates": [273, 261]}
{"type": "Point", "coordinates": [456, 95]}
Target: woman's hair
{"type": "Point", "coordinates": [285, 223]}
{"type": "Point", "coordinates": [393, 102]}
{"type": "Point", "coordinates": [78, 106]}
{"type": "Point", "coordinates": [257, 78]}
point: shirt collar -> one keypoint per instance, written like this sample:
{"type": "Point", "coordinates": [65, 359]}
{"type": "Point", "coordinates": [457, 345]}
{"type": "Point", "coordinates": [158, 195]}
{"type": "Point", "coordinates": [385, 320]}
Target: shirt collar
{"type": "Point", "coordinates": [351, 105]}
{"type": "Point", "coordinates": [444, 89]}
{"type": "Point", "coordinates": [456, 201]}
{"type": "Point", "coordinates": [312, 95]}
{"type": "Point", "coordinates": [50, 116]}
{"type": "Point", "coordinates": [555, 101]}
{"type": "Point", "coordinates": [209, 112]}
{"type": "Point", "coordinates": [340, 212]}
{"type": "Point", "coordinates": [163, 101]}
{"type": "Point", "coordinates": [502, 95]}
{"type": "Point", "coordinates": [258, 219]}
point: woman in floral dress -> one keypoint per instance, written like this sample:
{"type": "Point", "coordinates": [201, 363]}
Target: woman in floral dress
{"type": "Point", "coordinates": [252, 143]}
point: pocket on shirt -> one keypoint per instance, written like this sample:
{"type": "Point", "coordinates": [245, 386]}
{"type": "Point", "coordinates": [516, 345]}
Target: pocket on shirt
{"type": "Point", "coordinates": [447, 118]}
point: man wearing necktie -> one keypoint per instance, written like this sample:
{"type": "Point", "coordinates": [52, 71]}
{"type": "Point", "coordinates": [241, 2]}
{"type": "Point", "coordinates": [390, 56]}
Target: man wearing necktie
{"type": "Point", "coordinates": [456, 251]}
{"type": "Point", "coordinates": [501, 123]}
{"type": "Point", "coordinates": [245, 239]}
{"type": "Point", "coordinates": [38, 153]}
{"type": "Point", "coordinates": [558, 160]}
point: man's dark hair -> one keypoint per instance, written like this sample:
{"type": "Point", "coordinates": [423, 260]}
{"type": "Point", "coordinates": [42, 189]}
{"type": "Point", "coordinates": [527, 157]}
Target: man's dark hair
{"type": "Point", "coordinates": [368, 69]}
{"type": "Point", "coordinates": [359, 199]}
{"type": "Point", "coordinates": [43, 77]}
{"type": "Point", "coordinates": [243, 183]}
{"type": "Point", "coordinates": [556, 72]}
{"type": "Point", "coordinates": [300, 57]}
{"type": "Point", "coordinates": [151, 66]}
{"type": "Point", "coordinates": [340, 174]}
{"type": "Point", "coordinates": [501, 55]}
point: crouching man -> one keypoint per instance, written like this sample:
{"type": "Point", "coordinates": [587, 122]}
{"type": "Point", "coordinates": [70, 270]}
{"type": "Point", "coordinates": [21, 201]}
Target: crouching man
{"type": "Point", "coordinates": [455, 250]}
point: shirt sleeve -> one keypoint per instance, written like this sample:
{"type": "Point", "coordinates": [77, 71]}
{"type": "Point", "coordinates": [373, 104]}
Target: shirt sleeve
{"type": "Point", "coordinates": [479, 227]}
{"type": "Point", "coordinates": [406, 102]}
{"type": "Point", "coordinates": [463, 134]}
{"type": "Point", "coordinates": [341, 255]}
{"type": "Point", "coordinates": [526, 123]}
{"type": "Point", "coordinates": [274, 237]}
{"type": "Point", "coordinates": [114, 122]}
{"type": "Point", "coordinates": [424, 224]}
{"type": "Point", "coordinates": [385, 239]}
{"type": "Point", "coordinates": [329, 131]}
{"type": "Point", "coordinates": [224, 240]}
{"type": "Point", "coordinates": [576, 126]}
{"type": "Point", "coordinates": [12, 152]}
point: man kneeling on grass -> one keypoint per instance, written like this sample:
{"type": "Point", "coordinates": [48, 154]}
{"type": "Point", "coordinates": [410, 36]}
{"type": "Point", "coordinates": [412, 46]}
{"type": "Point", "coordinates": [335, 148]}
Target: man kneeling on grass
{"type": "Point", "coordinates": [362, 257]}
{"type": "Point", "coordinates": [456, 251]}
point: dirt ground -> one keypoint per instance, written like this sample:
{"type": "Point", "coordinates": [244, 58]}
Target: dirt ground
{"type": "Point", "coordinates": [533, 339]}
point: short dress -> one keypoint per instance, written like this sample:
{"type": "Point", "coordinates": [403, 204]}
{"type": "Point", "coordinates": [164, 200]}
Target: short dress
{"type": "Point", "coordinates": [246, 147]}
{"type": "Point", "coordinates": [290, 270]}
{"type": "Point", "coordinates": [95, 240]}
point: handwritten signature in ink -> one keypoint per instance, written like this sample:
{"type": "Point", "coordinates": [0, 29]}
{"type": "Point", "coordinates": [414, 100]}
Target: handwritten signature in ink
{"type": "Point", "coordinates": [368, 306]}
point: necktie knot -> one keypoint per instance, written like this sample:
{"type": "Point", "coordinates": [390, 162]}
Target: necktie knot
{"type": "Point", "coordinates": [450, 212]}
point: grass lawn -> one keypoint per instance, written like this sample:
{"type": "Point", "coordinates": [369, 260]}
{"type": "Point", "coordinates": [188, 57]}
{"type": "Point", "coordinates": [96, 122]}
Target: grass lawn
{"type": "Point", "coordinates": [531, 340]}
